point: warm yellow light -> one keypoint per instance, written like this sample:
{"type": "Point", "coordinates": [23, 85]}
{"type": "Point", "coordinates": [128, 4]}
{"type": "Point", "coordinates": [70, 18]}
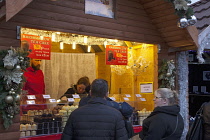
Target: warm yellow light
{"type": "Point", "coordinates": [85, 39]}
{"type": "Point", "coordinates": [53, 36]}
{"type": "Point", "coordinates": [41, 37]}
{"type": "Point", "coordinates": [105, 43]}
{"type": "Point", "coordinates": [61, 45]}
{"type": "Point", "coordinates": [89, 48]}
{"type": "Point", "coordinates": [74, 45]}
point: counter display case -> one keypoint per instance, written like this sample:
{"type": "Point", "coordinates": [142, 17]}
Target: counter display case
{"type": "Point", "coordinates": [42, 120]}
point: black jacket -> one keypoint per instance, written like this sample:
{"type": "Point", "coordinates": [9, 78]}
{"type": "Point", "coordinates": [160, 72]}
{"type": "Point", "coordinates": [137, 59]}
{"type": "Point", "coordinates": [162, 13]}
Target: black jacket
{"type": "Point", "coordinates": [206, 121]}
{"type": "Point", "coordinates": [161, 123]}
{"type": "Point", "coordinates": [95, 121]}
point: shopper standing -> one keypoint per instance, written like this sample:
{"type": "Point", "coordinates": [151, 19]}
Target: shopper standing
{"type": "Point", "coordinates": [96, 120]}
{"type": "Point", "coordinates": [165, 122]}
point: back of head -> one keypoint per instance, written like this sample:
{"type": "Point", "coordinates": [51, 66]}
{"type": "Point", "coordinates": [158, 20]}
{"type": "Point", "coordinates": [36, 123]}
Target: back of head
{"type": "Point", "coordinates": [171, 95]}
{"type": "Point", "coordinates": [83, 80]}
{"type": "Point", "coordinates": [99, 88]}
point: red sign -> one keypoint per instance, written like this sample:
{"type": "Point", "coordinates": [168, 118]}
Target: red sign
{"type": "Point", "coordinates": [40, 46]}
{"type": "Point", "coordinates": [116, 55]}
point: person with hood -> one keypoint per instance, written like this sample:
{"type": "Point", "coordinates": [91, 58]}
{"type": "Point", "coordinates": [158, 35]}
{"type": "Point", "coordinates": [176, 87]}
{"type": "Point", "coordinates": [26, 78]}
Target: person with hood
{"type": "Point", "coordinates": [165, 122]}
{"type": "Point", "coordinates": [96, 120]}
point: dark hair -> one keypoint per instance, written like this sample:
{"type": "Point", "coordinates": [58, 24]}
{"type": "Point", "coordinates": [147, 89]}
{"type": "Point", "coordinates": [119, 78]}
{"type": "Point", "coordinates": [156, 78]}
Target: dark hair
{"type": "Point", "coordinates": [83, 80]}
{"type": "Point", "coordinates": [99, 88]}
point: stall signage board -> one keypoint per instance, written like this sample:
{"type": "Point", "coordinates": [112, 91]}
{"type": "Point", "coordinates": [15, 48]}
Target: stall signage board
{"type": "Point", "coordinates": [116, 55]}
{"type": "Point", "coordinates": [40, 46]}
{"type": "Point", "coordinates": [146, 87]}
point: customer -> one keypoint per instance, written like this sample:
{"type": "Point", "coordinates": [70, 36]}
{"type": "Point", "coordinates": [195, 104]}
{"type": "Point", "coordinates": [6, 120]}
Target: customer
{"type": "Point", "coordinates": [206, 121]}
{"type": "Point", "coordinates": [82, 88]}
{"type": "Point", "coordinates": [125, 109]}
{"type": "Point", "coordinates": [164, 122]}
{"type": "Point", "coordinates": [96, 120]}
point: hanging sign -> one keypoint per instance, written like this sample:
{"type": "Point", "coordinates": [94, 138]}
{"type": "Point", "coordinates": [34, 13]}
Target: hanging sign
{"type": "Point", "coordinates": [40, 46]}
{"type": "Point", "coordinates": [116, 55]}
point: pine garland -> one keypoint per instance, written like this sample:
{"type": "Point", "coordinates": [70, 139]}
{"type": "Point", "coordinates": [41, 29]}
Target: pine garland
{"type": "Point", "coordinates": [182, 9]}
{"type": "Point", "coordinates": [12, 64]}
{"type": "Point", "coordinates": [167, 74]}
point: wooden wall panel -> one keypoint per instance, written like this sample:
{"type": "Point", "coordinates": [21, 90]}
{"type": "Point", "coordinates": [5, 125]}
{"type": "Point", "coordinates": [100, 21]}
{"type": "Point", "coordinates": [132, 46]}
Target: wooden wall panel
{"type": "Point", "coordinates": [131, 22]}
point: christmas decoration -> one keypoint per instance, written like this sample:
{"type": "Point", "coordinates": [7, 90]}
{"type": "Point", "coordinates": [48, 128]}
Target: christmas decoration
{"type": "Point", "coordinates": [12, 62]}
{"type": "Point", "coordinates": [182, 23]}
{"type": "Point", "coordinates": [167, 74]}
{"type": "Point", "coordinates": [184, 11]}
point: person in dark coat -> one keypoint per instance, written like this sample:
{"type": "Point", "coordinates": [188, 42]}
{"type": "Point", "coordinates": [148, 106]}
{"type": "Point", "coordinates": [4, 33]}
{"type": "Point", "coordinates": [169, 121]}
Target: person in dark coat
{"type": "Point", "coordinates": [165, 122]}
{"type": "Point", "coordinates": [82, 88]}
{"type": "Point", "coordinates": [206, 121]}
{"type": "Point", "coordinates": [96, 120]}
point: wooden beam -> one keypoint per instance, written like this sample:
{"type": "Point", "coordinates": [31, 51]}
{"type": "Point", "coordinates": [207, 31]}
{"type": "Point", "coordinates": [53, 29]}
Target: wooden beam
{"type": "Point", "coordinates": [193, 31]}
{"type": "Point", "coordinates": [102, 48]}
{"type": "Point", "coordinates": [2, 12]}
{"type": "Point", "coordinates": [15, 6]}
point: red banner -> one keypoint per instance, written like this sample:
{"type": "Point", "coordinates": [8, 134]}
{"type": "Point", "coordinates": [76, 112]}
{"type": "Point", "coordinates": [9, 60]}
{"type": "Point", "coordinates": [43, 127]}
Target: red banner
{"type": "Point", "coordinates": [40, 46]}
{"type": "Point", "coordinates": [116, 55]}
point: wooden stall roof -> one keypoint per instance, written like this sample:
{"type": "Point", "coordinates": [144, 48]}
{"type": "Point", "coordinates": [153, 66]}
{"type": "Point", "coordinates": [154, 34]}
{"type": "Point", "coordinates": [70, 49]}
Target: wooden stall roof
{"type": "Point", "coordinates": [160, 13]}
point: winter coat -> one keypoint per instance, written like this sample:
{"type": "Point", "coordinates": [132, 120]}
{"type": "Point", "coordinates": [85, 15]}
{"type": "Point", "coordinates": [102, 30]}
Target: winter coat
{"type": "Point", "coordinates": [95, 121]}
{"type": "Point", "coordinates": [206, 121]}
{"type": "Point", "coordinates": [161, 123]}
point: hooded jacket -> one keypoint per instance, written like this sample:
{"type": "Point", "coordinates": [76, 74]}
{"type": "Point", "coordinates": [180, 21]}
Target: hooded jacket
{"type": "Point", "coordinates": [162, 124]}
{"type": "Point", "coordinates": [95, 121]}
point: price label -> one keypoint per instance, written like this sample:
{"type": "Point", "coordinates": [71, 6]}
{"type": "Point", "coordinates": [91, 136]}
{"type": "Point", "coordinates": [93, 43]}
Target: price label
{"type": "Point", "coordinates": [71, 99]}
{"type": "Point", "coordinates": [142, 99]}
{"type": "Point", "coordinates": [138, 95]}
{"type": "Point", "coordinates": [127, 95]}
{"type": "Point", "coordinates": [52, 100]}
{"type": "Point", "coordinates": [31, 96]}
{"type": "Point", "coordinates": [113, 98]}
{"type": "Point", "coordinates": [46, 96]}
{"type": "Point", "coordinates": [126, 99]}
{"type": "Point", "coordinates": [29, 102]}
{"type": "Point", "coordinates": [75, 96]}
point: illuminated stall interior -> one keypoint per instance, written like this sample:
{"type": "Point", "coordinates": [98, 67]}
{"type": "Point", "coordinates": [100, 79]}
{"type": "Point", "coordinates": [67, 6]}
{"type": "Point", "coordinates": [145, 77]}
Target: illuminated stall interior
{"type": "Point", "coordinates": [86, 56]}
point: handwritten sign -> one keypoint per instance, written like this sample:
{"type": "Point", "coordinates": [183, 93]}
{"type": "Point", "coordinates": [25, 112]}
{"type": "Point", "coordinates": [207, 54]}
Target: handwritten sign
{"type": "Point", "coordinates": [113, 98]}
{"type": "Point", "coordinates": [75, 96]}
{"type": "Point", "coordinates": [142, 99]}
{"type": "Point", "coordinates": [146, 88]}
{"type": "Point", "coordinates": [71, 99]}
{"type": "Point", "coordinates": [31, 96]}
{"type": "Point", "coordinates": [52, 100]}
{"type": "Point", "coordinates": [29, 102]}
{"type": "Point", "coordinates": [138, 95]}
{"type": "Point", "coordinates": [127, 95]}
{"type": "Point", "coordinates": [126, 99]}
{"type": "Point", "coordinates": [46, 96]}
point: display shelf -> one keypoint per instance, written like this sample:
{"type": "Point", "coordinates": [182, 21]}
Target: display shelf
{"type": "Point", "coordinates": [43, 137]}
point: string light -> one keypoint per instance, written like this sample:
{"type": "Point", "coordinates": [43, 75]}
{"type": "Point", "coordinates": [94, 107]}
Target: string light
{"type": "Point", "coordinates": [89, 48]}
{"type": "Point", "coordinates": [85, 39]}
{"type": "Point", "coordinates": [74, 45]}
{"type": "Point", "coordinates": [61, 45]}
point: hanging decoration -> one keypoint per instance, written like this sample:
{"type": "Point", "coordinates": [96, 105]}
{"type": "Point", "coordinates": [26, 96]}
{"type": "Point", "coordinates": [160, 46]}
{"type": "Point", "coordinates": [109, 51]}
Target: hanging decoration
{"type": "Point", "coordinates": [204, 43]}
{"type": "Point", "coordinates": [137, 64]}
{"type": "Point", "coordinates": [185, 12]}
{"type": "Point", "coordinates": [167, 74]}
{"type": "Point", "coordinates": [12, 62]}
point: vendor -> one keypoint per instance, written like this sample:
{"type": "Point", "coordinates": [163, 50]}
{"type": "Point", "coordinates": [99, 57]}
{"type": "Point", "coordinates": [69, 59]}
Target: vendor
{"type": "Point", "coordinates": [82, 88]}
{"type": "Point", "coordinates": [34, 85]}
